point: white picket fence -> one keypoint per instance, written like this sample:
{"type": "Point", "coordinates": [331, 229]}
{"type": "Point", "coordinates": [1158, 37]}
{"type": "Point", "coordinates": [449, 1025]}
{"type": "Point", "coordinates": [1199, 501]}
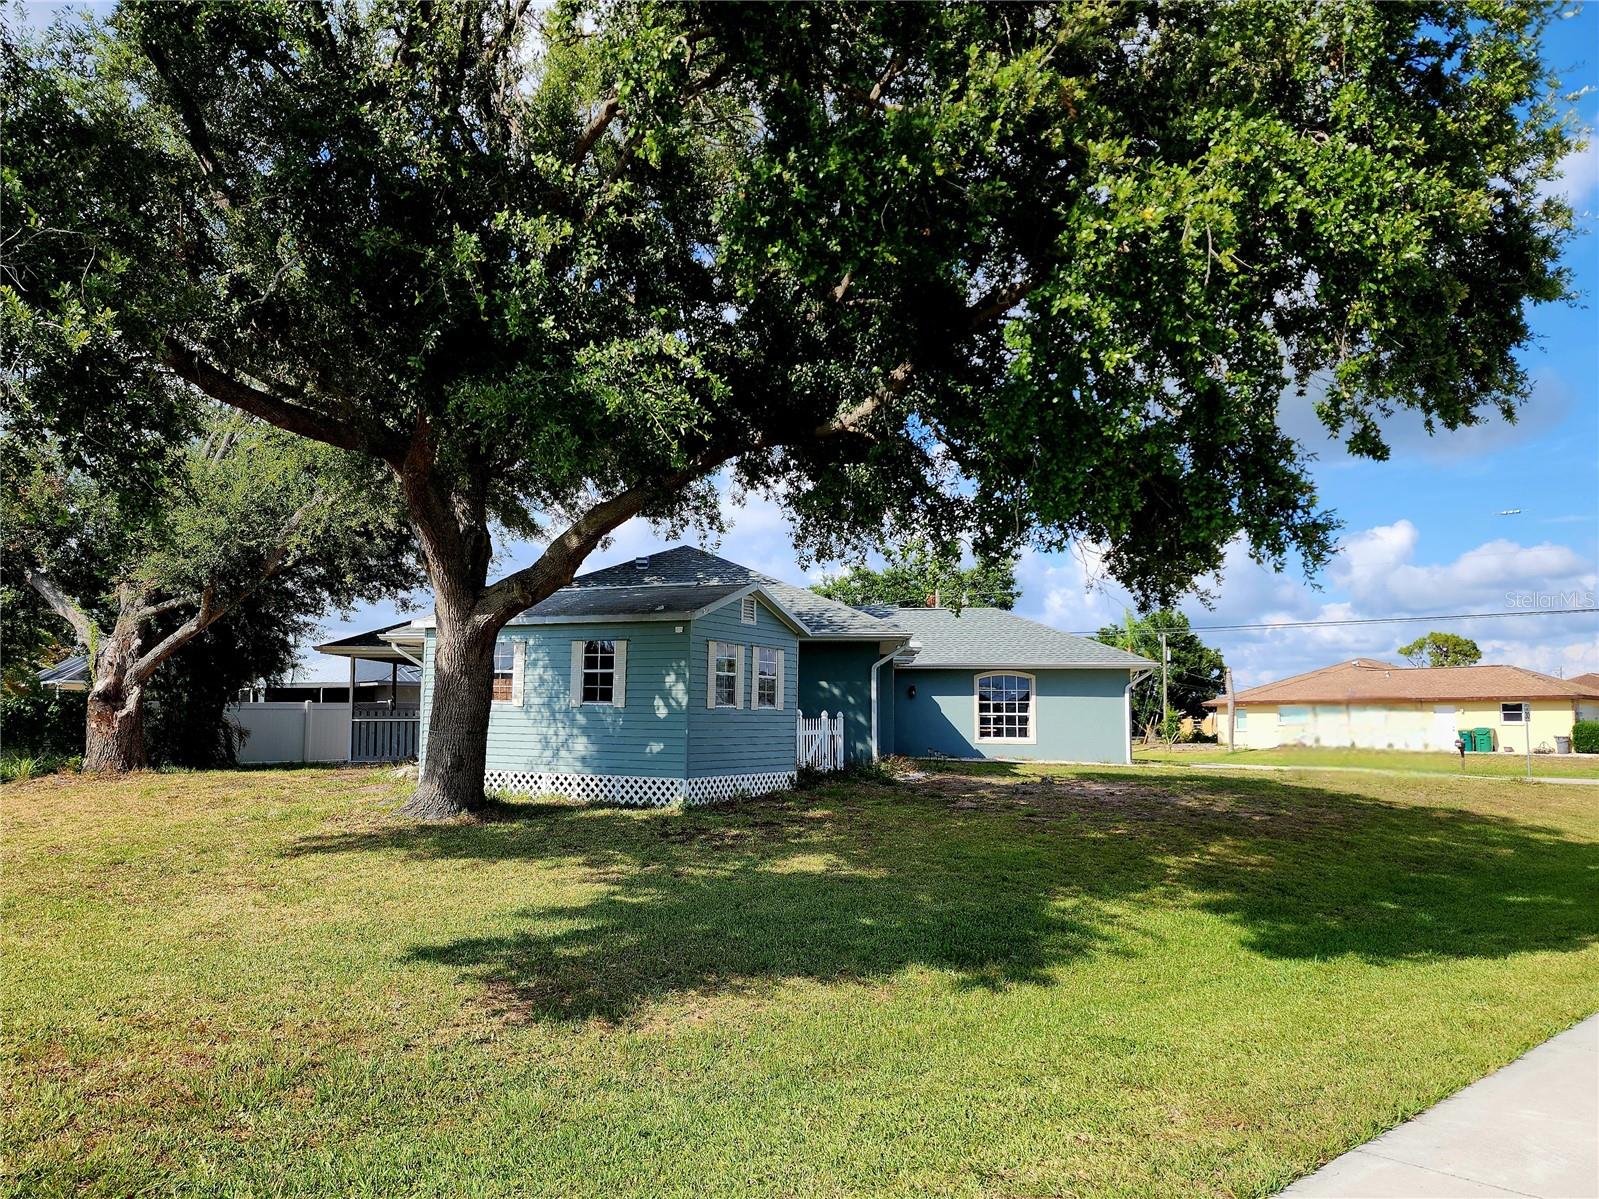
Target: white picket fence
{"type": "Point", "coordinates": [819, 741]}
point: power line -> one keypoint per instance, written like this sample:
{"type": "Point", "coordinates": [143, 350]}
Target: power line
{"type": "Point", "coordinates": [1324, 624]}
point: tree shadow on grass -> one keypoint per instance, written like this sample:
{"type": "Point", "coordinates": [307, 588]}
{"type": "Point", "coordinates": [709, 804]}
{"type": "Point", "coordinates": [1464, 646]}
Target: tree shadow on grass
{"type": "Point", "coordinates": [1000, 882]}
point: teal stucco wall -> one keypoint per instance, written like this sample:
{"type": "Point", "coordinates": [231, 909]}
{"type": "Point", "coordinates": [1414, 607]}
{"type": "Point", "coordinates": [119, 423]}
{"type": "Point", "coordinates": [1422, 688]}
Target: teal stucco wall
{"type": "Point", "coordinates": [743, 740]}
{"type": "Point", "coordinates": [646, 737]}
{"type": "Point", "coordinates": [1080, 716]}
{"type": "Point", "coordinates": [836, 676]}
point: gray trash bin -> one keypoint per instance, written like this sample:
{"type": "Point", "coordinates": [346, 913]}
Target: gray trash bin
{"type": "Point", "coordinates": [1562, 745]}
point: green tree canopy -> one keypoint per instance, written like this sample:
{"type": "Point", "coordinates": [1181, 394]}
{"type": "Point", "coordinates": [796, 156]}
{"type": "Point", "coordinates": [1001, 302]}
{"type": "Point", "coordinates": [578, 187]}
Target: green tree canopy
{"type": "Point", "coordinates": [1194, 673]}
{"type": "Point", "coordinates": [916, 573]}
{"type": "Point", "coordinates": [1008, 272]}
{"type": "Point", "coordinates": [246, 522]}
{"type": "Point", "coordinates": [1442, 649]}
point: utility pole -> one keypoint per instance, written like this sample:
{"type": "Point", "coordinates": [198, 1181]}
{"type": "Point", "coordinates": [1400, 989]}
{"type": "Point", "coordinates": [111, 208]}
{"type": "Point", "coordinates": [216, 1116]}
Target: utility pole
{"type": "Point", "coordinates": [1232, 723]}
{"type": "Point", "coordinates": [1526, 727]}
{"type": "Point", "coordinates": [1165, 657]}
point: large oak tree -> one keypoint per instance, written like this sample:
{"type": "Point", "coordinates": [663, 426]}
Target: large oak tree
{"type": "Point", "coordinates": [1011, 271]}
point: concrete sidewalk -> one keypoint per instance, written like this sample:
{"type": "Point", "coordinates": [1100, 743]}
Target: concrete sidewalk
{"type": "Point", "coordinates": [1530, 1129]}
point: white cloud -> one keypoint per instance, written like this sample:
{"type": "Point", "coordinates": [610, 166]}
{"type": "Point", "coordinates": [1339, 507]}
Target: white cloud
{"type": "Point", "coordinates": [1579, 175]}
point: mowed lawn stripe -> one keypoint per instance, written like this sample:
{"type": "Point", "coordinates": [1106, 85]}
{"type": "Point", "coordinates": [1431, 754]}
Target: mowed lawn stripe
{"type": "Point", "coordinates": [999, 981]}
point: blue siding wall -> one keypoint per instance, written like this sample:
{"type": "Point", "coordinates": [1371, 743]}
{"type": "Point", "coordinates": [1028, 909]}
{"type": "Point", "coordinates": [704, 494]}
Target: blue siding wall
{"type": "Point", "coordinates": [837, 677]}
{"type": "Point", "coordinates": [647, 737]}
{"type": "Point", "coordinates": [1080, 716]}
{"type": "Point", "coordinates": [740, 740]}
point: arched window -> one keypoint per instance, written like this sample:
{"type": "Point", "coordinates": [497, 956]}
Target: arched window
{"type": "Point", "coordinates": [1005, 707]}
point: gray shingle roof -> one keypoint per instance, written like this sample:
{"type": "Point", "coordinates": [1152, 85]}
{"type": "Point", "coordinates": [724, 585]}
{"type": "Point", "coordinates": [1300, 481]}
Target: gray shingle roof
{"type": "Point", "coordinates": [689, 566]}
{"type": "Point", "coordinates": [651, 600]}
{"type": "Point", "coordinates": [993, 637]}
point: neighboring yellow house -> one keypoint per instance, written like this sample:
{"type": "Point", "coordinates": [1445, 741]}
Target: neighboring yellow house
{"type": "Point", "coordinates": [1377, 705]}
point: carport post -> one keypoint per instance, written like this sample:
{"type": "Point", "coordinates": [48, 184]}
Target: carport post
{"type": "Point", "coordinates": [349, 742]}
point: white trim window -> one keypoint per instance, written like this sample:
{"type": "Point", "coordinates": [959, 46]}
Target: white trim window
{"type": "Point", "coordinates": [725, 681]}
{"type": "Point", "coordinates": [746, 610]}
{"type": "Point", "coordinates": [1004, 701]}
{"type": "Point", "coordinates": [1512, 713]}
{"type": "Point", "coordinates": [768, 677]}
{"type": "Point", "coordinates": [500, 690]}
{"type": "Point", "coordinates": [599, 672]}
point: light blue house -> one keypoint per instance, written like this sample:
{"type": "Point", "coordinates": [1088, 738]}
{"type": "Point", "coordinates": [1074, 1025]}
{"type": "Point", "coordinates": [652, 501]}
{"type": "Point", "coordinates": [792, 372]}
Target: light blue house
{"type": "Point", "coordinates": [679, 677]}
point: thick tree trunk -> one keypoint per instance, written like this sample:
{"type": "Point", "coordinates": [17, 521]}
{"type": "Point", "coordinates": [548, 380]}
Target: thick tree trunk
{"type": "Point", "coordinates": [113, 741]}
{"type": "Point", "coordinates": [458, 719]}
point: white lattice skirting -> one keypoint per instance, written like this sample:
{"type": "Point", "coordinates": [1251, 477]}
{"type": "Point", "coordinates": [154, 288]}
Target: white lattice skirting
{"type": "Point", "coordinates": [636, 790]}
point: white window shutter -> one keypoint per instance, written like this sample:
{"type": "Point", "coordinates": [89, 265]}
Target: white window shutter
{"type": "Point", "coordinates": [738, 676]}
{"type": "Point", "coordinates": [518, 668]}
{"type": "Point", "coordinates": [780, 691]}
{"type": "Point", "coordinates": [577, 674]}
{"type": "Point", "coordinates": [710, 675]}
{"type": "Point", "coordinates": [619, 679]}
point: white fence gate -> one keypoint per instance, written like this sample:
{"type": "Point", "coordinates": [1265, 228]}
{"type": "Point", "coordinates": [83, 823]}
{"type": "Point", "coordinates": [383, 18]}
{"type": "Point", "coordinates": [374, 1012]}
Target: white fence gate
{"type": "Point", "coordinates": [819, 741]}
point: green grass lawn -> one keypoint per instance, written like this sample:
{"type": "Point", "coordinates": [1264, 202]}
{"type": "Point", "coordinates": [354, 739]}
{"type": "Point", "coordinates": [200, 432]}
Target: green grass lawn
{"type": "Point", "coordinates": [1498, 764]}
{"type": "Point", "coordinates": [999, 982]}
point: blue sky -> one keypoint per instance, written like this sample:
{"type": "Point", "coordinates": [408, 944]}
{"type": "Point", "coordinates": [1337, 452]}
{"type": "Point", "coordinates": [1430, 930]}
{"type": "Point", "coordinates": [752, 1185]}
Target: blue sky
{"type": "Point", "coordinates": [1422, 532]}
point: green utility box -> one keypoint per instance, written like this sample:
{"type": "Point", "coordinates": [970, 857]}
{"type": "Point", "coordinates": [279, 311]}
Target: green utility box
{"type": "Point", "coordinates": [1484, 740]}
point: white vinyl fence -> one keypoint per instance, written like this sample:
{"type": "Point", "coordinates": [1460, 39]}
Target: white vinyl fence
{"type": "Point", "coordinates": [286, 731]}
{"type": "Point", "coordinates": [819, 741]}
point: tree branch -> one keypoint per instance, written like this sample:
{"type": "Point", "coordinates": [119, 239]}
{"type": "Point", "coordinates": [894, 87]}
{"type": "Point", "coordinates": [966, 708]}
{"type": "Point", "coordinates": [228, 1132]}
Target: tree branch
{"type": "Point", "coordinates": [561, 558]}
{"type": "Point", "coordinates": [291, 417]}
{"type": "Point", "coordinates": [169, 605]}
{"type": "Point", "coordinates": [595, 127]}
{"type": "Point", "coordinates": [847, 422]}
{"type": "Point", "coordinates": [513, 18]}
{"type": "Point", "coordinates": [210, 609]}
{"type": "Point", "coordinates": [63, 606]}
{"type": "Point", "coordinates": [999, 302]}
{"type": "Point", "coordinates": [194, 127]}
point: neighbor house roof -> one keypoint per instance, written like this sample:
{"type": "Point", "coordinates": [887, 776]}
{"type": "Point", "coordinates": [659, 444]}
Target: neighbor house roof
{"type": "Point", "coordinates": [686, 565]}
{"type": "Point", "coordinates": [979, 638]}
{"type": "Point", "coordinates": [367, 671]}
{"type": "Point", "coordinates": [69, 674]}
{"type": "Point", "coordinates": [1365, 680]}
{"type": "Point", "coordinates": [1590, 683]}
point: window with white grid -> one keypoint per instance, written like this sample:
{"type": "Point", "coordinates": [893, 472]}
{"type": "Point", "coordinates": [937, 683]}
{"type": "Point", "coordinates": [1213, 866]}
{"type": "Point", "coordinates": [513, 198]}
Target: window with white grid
{"type": "Point", "coordinates": [726, 675]}
{"type": "Point", "coordinates": [504, 661]}
{"type": "Point", "coordinates": [766, 676]}
{"type": "Point", "coordinates": [1004, 707]}
{"type": "Point", "coordinates": [599, 672]}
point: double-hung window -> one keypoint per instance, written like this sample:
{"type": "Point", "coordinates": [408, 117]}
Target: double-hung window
{"type": "Point", "coordinates": [510, 664]}
{"type": "Point", "coordinates": [1005, 707]}
{"type": "Point", "coordinates": [504, 668]}
{"type": "Point", "coordinates": [599, 672]}
{"type": "Point", "coordinates": [768, 677]}
{"type": "Point", "coordinates": [725, 672]}
{"type": "Point", "coordinates": [1512, 713]}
